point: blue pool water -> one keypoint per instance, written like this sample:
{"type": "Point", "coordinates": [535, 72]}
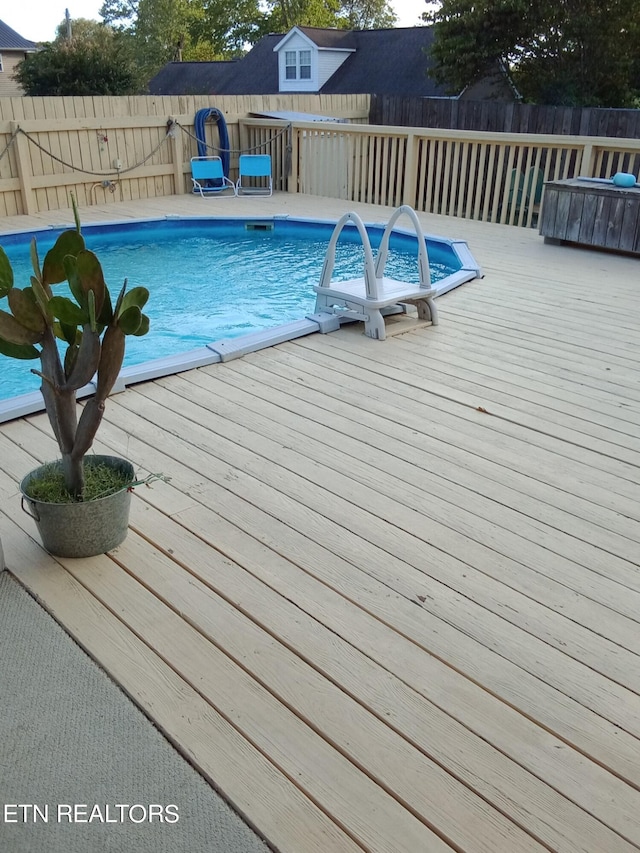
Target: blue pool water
{"type": "Point", "coordinates": [214, 279]}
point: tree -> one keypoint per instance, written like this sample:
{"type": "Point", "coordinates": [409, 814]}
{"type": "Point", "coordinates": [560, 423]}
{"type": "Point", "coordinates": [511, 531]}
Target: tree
{"type": "Point", "coordinates": [168, 30]}
{"type": "Point", "coordinates": [162, 31]}
{"type": "Point", "coordinates": [284, 14]}
{"type": "Point", "coordinates": [119, 14]}
{"type": "Point", "coordinates": [574, 52]}
{"type": "Point", "coordinates": [367, 14]}
{"type": "Point", "coordinates": [228, 25]}
{"type": "Point", "coordinates": [343, 14]}
{"type": "Point", "coordinates": [97, 60]}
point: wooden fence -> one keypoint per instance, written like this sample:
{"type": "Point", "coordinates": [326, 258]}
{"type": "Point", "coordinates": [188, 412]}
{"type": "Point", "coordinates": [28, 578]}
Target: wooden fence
{"type": "Point", "coordinates": [491, 177]}
{"type": "Point", "coordinates": [112, 149]}
{"type": "Point", "coordinates": [116, 149]}
{"type": "Point", "coordinates": [496, 117]}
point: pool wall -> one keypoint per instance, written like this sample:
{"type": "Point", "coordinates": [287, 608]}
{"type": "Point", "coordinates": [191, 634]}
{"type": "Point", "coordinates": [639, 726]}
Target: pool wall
{"type": "Point", "coordinates": [227, 349]}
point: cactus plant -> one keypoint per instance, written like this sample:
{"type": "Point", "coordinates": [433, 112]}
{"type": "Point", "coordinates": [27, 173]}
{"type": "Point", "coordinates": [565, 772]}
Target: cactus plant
{"type": "Point", "coordinates": [91, 327]}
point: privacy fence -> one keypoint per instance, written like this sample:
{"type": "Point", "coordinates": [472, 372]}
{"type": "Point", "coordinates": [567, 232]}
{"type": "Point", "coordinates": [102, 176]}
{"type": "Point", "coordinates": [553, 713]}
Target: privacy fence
{"type": "Point", "coordinates": [118, 149]}
{"type": "Point", "coordinates": [497, 117]}
{"type": "Point", "coordinates": [112, 149]}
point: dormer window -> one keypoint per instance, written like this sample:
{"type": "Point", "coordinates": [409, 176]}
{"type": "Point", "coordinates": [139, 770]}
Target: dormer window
{"type": "Point", "coordinates": [305, 65]}
{"type": "Point", "coordinates": [297, 64]}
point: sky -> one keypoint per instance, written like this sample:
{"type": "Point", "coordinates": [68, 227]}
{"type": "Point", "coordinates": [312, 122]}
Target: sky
{"type": "Point", "coordinates": [37, 19]}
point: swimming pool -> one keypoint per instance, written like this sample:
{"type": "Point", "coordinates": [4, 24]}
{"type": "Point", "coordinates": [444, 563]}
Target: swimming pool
{"type": "Point", "coordinates": [238, 283]}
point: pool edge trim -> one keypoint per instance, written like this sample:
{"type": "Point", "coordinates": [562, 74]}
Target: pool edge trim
{"type": "Point", "coordinates": [227, 349]}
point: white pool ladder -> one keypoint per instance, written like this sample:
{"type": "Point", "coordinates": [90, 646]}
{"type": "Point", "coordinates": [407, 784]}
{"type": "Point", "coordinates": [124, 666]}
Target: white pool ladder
{"type": "Point", "coordinates": [370, 297]}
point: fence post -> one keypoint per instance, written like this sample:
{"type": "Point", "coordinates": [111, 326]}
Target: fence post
{"type": "Point", "coordinates": [292, 179]}
{"type": "Point", "coordinates": [587, 162]}
{"type": "Point", "coordinates": [244, 136]}
{"type": "Point", "coordinates": [410, 188]}
{"type": "Point", "coordinates": [23, 161]}
{"type": "Point", "coordinates": [176, 157]}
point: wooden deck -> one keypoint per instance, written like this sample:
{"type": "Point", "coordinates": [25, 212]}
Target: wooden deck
{"type": "Point", "coordinates": [389, 600]}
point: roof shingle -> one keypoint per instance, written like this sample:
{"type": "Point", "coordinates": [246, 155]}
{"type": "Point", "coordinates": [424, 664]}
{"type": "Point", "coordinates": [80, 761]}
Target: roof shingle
{"type": "Point", "coordinates": [11, 40]}
{"type": "Point", "coordinates": [385, 62]}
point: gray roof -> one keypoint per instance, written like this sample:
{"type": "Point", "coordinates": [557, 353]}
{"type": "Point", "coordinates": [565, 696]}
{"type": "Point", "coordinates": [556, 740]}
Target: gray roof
{"type": "Point", "coordinates": [257, 73]}
{"type": "Point", "coordinates": [190, 78]}
{"type": "Point", "coordinates": [385, 62]}
{"type": "Point", "coordinates": [11, 40]}
{"type": "Point", "coordinates": [329, 38]}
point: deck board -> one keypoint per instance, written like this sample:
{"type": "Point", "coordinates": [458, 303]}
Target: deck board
{"type": "Point", "coordinates": [428, 401]}
{"type": "Point", "coordinates": [440, 442]}
{"type": "Point", "coordinates": [406, 477]}
{"type": "Point", "coordinates": [594, 387]}
{"type": "Point", "coordinates": [389, 598]}
{"type": "Point", "coordinates": [451, 465]}
{"type": "Point", "coordinates": [393, 498]}
{"type": "Point", "coordinates": [333, 509]}
{"type": "Point", "coordinates": [266, 798]}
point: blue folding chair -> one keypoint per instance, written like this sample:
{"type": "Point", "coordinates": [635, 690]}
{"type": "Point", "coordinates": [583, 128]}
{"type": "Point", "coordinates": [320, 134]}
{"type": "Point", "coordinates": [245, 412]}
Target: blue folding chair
{"type": "Point", "coordinates": [209, 179]}
{"type": "Point", "coordinates": [254, 172]}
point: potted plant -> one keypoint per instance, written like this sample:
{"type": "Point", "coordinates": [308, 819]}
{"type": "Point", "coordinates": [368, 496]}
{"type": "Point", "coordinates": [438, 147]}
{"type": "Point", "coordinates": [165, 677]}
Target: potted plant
{"type": "Point", "coordinates": [81, 501]}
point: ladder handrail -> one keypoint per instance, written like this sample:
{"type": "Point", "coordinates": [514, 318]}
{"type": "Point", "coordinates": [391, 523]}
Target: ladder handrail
{"type": "Point", "coordinates": [370, 280]}
{"type": "Point", "coordinates": [423, 258]}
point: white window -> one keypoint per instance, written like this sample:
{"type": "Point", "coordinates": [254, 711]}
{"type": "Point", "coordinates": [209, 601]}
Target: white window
{"type": "Point", "coordinates": [297, 64]}
{"type": "Point", "coordinates": [291, 64]}
{"type": "Point", "coordinates": [305, 64]}
{"type": "Point", "coordinates": [1, 68]}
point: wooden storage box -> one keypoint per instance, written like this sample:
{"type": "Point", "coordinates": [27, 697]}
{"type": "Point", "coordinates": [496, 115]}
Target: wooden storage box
{"type": "Point", "coordinates": [592, 213]}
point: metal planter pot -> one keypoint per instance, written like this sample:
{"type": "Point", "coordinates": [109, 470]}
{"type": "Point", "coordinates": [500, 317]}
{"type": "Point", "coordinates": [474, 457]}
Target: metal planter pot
{"type": "Point", "coordinates": [81, 529]}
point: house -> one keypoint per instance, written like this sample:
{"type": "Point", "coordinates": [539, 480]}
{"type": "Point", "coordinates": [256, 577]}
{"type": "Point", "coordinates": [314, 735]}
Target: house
{"type": "Point", "coordinates": [13, 49]}
{"type": "Point", "coordinates": [327, 61]}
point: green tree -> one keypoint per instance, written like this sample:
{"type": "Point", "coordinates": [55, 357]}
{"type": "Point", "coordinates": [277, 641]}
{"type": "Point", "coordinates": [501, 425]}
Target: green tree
{"type": "Point", "coordinates": [168, 30]}
{"type": "Point", "coordinates": [343, 14]}
{"type": "Point", "coordinates": [162, 31]}
{"type": "Point", "coordinates": [120, 14]}
{"type": "Point", "coordinates": [97, 60]}
{"type": "Point", "coordinates": [229, 25]}
{"type": "Point", "coordinates": [574, 52]}
{"type": "Point", "coordinates": [280, 15]}
{"type": "Point", "coordinates": [367, 14]}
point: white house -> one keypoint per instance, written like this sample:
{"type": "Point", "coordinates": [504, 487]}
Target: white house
{"type": "Point", "coordinates": [13, 49]}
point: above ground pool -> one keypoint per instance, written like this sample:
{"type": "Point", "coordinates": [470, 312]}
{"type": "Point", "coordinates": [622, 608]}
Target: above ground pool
{"type": "Point", "coordinates": [241, 283]}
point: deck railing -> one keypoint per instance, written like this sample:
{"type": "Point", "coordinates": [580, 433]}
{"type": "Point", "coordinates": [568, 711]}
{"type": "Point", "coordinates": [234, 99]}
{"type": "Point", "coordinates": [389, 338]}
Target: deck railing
{"type": "Point", "coordinates": [105, 150]}
{"type": "Point", "coordinates": [493, 177]}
